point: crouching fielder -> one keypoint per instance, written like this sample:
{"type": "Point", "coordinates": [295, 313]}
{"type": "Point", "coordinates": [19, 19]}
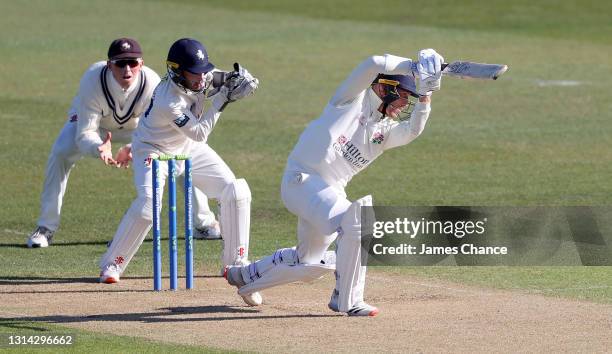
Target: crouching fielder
{"type": "Point", "coordinates": [363, 119]}
{"type": "Point", "coordinates": [177, 124]}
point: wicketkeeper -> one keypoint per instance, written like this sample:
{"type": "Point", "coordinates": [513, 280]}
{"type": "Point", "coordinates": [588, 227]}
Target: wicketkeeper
{"type": "Point", "coordinates": [178, 122]}
{"type": "Point", "coordinates": [112, 96]}
{"type": "Point", "coordinates": [378, 107]}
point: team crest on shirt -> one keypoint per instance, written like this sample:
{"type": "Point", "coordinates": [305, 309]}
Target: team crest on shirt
{"type": "Point", "coordinates": [378, 138]}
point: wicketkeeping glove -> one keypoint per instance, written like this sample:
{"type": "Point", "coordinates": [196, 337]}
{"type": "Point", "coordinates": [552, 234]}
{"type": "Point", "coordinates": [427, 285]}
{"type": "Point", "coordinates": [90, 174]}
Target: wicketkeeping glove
{"type": "Point", "coordinates": [240, 84]}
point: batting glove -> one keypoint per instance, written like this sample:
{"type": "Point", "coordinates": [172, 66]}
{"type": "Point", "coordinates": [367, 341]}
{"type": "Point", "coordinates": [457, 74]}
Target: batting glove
{"type": "Point", "coordinates": [429, 71]}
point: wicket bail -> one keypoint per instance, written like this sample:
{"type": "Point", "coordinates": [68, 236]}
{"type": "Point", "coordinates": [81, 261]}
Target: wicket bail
{"type": "Point", "coordinates": [172, 237]}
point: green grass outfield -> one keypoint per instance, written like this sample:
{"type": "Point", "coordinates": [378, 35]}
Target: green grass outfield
{"type": "Point", "coordinates": [522, 140]}
{"type": "Point", "coordinates": [85, 341]}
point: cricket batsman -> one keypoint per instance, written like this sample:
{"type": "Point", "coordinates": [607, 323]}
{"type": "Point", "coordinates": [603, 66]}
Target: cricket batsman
{"type": "Point", "coordinates": [112, 96]}
{"type": "Point", "coordinates": [378, 107]}
{"type": "Point", "coordinates": [182, 114]}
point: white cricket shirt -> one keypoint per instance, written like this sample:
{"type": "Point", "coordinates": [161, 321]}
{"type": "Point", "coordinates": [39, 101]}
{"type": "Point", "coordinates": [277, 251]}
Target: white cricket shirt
{"type": "Point", "coordinates": [101, 105]}
{"type": "Point", "coordinates": [350, 133]}
{"type": "Point", "coordinates": [176, 118]}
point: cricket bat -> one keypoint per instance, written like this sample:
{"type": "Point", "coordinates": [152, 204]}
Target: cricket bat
{"type": "Point", "coordinates": [471, 70]}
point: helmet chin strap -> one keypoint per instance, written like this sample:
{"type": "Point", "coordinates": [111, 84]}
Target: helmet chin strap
{"type": "Point", "coordinates": [384, 109]}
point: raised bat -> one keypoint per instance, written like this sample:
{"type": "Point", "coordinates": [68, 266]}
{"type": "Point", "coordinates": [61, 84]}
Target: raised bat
{"type": "Point", "coordinates": [471, 70]}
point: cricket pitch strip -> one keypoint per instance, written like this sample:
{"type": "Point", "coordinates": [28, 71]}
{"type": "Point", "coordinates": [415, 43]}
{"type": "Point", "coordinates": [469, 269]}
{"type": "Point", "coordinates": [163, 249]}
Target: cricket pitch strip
{"type": "Point", "coordinates": [417, 315]}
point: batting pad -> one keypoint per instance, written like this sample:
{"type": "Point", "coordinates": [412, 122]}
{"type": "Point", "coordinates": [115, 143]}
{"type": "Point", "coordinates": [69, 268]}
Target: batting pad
{"type": "Point", "coordinates": [350, 280]}
{"type": "Point", "coordinates": [235, 220]}
{"type": "Point", "coordinates": [284, 274]}
{"type": "Point", "coordinates": [254, 271]}
{"type": "Point", "coordinates": [128, 238]}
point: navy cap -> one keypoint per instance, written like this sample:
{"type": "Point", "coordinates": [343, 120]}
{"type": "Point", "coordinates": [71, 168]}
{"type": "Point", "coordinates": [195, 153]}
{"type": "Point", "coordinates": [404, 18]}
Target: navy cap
{"type": "Point", "coordinates": [405, 82]}
{"type": "Point", "coordinates": [189, 54]}
{"type": "Point", "coordinates": [124, 48]}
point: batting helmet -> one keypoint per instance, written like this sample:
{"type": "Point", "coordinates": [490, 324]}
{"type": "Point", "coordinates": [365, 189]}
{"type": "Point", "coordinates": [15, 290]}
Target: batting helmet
{"type": "Point", "coordinates": [390, 84]}
{"type": "Point", "coordinates": [405, 82]}
{"type": "Point", "coordinates": [187, 54]}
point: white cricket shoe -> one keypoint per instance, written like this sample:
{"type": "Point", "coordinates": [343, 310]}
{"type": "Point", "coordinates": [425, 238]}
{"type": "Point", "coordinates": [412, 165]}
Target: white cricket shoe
{"type": "Point", "coordinates": [110, 274]}
{"type": "Point", "coordinates": [41, 237]}
{"type": "Point", "coordinates": [210, 232]}
{"type": "Point", "coordinates": [233, 275]}
{"type": "Point", "coordinates": [359, 309]}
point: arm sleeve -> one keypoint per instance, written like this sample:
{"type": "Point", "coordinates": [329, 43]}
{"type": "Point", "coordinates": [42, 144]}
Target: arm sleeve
{"type": "Point", "coordinates": [402, 133]}
{"type": "Point", "coordinates": [198, 129]}
{"type": "Point", "coordinates": [89, 114]}
{"type": "Point", "coordinates": [363, 75]}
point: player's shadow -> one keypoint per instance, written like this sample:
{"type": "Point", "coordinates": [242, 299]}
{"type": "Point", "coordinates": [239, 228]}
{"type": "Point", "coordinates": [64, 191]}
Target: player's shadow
{"type": "Point", "coordinates": [56, 244]}
{"type": "Point", "coordinates": [164, 315]}
{"type": "Point", "coordinates": [16, 281]}
{"type": "Point", "coordinates": [82, 243]}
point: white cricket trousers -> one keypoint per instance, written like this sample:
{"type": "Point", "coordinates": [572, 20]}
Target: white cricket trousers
{"type": "Point", "coordinates": [319, 208]}
{"type": "Point", "coordinates": [209, 173]}
{"type": "Point", "coordinates": [64, 154]}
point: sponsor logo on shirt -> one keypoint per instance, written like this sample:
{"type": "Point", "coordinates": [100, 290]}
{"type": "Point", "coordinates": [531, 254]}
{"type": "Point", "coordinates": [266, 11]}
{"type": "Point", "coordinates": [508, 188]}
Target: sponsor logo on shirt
{"type": "Point", "coordinates": [350, 152]}
{"type": "Point", "coordinates": [74, 118]}
{"type": "Point", "coordinates": [148, 161]}
{"type": "Point", "coordinates": [181, 121]}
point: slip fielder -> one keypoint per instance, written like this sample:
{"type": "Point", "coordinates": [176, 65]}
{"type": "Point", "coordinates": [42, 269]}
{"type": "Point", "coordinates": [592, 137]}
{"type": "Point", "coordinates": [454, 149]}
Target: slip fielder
{"type": "Point", "coordinates": [112, 95]}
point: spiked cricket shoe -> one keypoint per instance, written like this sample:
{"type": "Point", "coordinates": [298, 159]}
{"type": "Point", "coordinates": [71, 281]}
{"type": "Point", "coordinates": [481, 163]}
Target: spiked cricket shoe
{"type": "Point", "coordinates": [110, 274]}
{"type": "Point", "coordinates": [210, 232]}
{"type": "Point", "coordinates": [40, 238]}
{"type": "Point", "coordinates": [359, 309]}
